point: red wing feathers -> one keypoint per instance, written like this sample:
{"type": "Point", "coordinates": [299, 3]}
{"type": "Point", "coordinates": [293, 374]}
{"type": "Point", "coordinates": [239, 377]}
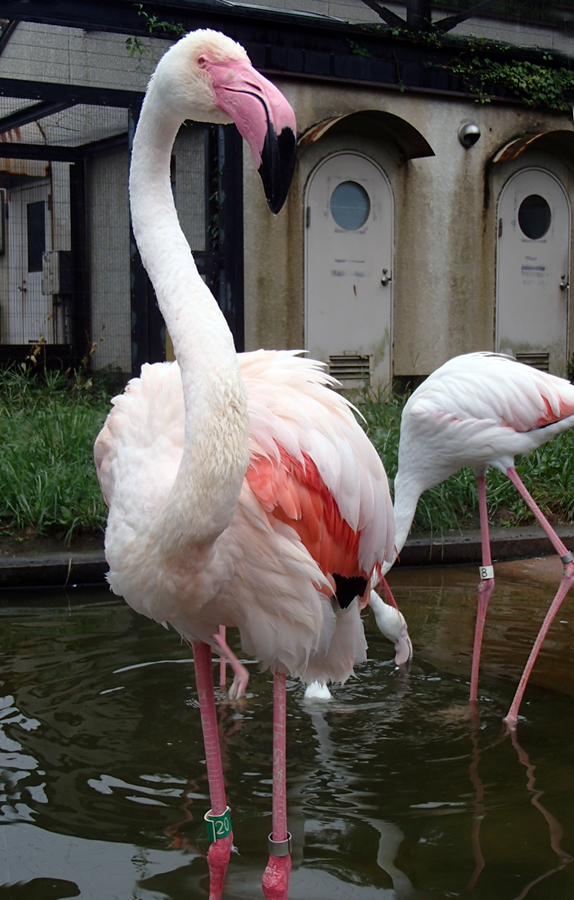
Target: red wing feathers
{"type": "Point", "coordinates": [293, 492]}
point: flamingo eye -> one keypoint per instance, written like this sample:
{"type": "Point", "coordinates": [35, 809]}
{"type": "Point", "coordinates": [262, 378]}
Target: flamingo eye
{"type": "Point", "coordinates": [202, 62]}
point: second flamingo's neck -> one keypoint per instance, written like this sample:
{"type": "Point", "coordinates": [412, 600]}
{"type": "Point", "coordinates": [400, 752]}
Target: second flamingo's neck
{"type": "Point", "coordinates": [407, 494]}
{"type": "Point", "coordinates": [202, 501]}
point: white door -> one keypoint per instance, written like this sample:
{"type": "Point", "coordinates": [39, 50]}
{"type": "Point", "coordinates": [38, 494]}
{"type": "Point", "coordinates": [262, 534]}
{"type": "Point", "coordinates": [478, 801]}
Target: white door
{"type": "Point", "coordinates": [348, 269]}
{"type": "Point", "coordinates": [533, 274]}
{"type": "Point", "coordinates": [29, 235]}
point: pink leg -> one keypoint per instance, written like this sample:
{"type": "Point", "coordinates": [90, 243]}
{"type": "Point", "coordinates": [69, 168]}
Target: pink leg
{"type": "Point", "coordinates": [276, 876]}
{"type": "Point", "coordinates": [485, 587]}
{"type": "Point", "coordinates": [219, 823]}
{"type": "Point", "coordinates": [222, 661]}
{"type": "Point", "coordinates": [241, 679]}
{"type": "Point", "coordinates": [565, 585]}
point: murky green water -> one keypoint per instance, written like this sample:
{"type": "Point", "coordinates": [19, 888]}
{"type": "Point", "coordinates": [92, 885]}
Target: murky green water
{"type": "Point", "coordinates": [392, 794]}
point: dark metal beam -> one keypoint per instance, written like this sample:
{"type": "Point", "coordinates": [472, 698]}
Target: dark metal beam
{"type": "Point", "coordinates": [121, 16]}
{"type": "Point", "coordinates": [444, 25]}
{"type": "Point", "coordinates": [31, 114]}
{"type": "Point", "coordinates": [9, 30]}
{"type": "Point", "coordinates": [419, 17]}
{"type": "Point", "coordinates": [51, 92]}
{"type": "Point", "coordinates": [51, 153]}
{"type": "Point", "coordinates": [103, 15]}
{"type": "Point", "coordinates": [14, 150]}
{"type": "Point", "coordinates": [385, 14]}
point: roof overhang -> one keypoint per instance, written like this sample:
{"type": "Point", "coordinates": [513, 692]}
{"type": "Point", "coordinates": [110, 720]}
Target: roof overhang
{"type": "Point", "coordinates": [560, 142]}
{"type": "Point", "coordinates": [375, 124]}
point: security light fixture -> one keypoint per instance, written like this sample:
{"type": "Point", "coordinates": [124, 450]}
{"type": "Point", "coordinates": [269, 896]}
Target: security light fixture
{"type": "Point", "coordinates": [468, 134]}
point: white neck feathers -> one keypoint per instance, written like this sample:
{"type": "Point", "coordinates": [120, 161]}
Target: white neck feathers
{"type": "Point", "coordinates": [215, 458]}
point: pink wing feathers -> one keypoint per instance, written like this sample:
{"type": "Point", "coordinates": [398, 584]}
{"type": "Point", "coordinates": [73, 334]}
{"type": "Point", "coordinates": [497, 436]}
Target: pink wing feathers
{"type": "Point", "coordinates": [293, 492]}
{"type": "Point", "coordinates": [491, 386]}
{"type": "Point", "coordinates": [313, 468]}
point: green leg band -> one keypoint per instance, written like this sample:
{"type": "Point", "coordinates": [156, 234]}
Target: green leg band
{"type": "Point", "coordinates": [218, 826]}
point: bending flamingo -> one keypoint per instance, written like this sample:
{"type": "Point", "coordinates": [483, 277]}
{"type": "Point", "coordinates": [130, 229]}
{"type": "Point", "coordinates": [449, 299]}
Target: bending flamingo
{"type": "Point", "coordinates": [391, 623]}
{"type": "Point", "coordinates": [241, 490]}
{"type": "Point", "coordinates": [480, 410]}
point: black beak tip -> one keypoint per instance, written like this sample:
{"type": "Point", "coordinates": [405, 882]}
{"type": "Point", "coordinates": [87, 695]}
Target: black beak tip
{"type": "Point", "coordinates": [277, 167]}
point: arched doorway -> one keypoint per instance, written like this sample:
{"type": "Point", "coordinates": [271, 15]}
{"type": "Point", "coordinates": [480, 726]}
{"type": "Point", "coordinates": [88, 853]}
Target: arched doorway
{"type": "Point", "coordinates": [348, 269]}
{"type": "Point", "coordinates": [533, 270]}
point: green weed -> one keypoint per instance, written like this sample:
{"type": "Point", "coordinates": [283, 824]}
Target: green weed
{"type": "Point", "coordinates": [48, 423]}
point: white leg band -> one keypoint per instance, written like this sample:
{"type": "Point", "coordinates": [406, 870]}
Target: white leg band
{"type": "Point", "coordinates": [279, 848]}
{"type": "Point", "coordinates": [486, 572]}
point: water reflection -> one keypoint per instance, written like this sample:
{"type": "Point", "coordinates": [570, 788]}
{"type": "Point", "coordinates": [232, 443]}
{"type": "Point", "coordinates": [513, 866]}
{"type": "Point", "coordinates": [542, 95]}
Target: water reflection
{"type": "Point", "coordinates": [394, 792]}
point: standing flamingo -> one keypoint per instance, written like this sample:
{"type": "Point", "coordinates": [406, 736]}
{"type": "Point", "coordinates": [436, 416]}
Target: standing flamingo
{"type": "Point", "coordinates": [241, 490]}
{"type": "Point", "coordinates": [480, 410]}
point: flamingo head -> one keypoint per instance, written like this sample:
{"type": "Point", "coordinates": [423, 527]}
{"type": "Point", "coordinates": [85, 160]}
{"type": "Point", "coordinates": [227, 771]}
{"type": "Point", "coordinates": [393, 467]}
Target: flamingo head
{"type": "Point", "coordinates": [208, 77]}
{"type": "Point", "coordinates": [393, 626]}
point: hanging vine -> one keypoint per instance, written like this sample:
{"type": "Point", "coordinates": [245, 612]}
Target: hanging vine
{"type": "Point", "coordinates": [535, 84]}
{"type": "Point", "coordinates": [135, 45]}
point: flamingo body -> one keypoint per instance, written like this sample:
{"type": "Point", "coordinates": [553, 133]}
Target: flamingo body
{"type": "Point", "coordinates": [241, 490]}
{"type": "Point", "coordinates": [481, 410]}
{"type": "Point", "coordinates": [313, 510]}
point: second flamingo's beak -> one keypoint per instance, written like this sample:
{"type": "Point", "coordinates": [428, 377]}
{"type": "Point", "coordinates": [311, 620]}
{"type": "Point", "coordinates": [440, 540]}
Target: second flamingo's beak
{"type": "Point", "coordinates": [265, 119]}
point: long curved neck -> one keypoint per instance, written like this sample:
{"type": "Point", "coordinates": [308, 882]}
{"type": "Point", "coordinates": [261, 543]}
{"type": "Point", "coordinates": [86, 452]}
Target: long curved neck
{"type": "Point", "coordinates": [407, 494]}
{"type": "Point", "coordinates": [215, 456]}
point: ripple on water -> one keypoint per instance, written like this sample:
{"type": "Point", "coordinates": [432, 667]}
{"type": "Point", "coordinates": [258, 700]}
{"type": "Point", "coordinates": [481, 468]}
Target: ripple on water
{"type": "Point", "coordinates": [392, 793]}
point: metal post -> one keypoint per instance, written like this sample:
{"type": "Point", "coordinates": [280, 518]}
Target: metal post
{"type": "Point", "coordinates": [419, 15]}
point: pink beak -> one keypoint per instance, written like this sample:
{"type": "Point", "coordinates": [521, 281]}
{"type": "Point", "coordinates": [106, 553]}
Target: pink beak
{"type": "Point", "coordinates": [264, 118]}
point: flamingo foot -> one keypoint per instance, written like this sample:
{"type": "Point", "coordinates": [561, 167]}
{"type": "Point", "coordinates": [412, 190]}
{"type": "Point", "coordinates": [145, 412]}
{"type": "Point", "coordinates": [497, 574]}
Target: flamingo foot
{"type": "Point", "coordinates": [275, 880]}
{"type": "Point", "coordinates": [241, 679]}
{"type": "Point", "coordinates": [217, 861]}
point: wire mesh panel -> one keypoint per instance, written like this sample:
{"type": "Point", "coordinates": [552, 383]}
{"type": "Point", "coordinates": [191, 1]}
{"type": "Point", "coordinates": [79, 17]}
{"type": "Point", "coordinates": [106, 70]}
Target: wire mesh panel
{"type": "Point", "coordinates": [189, 170]}
{"type": "Point", "coordinates": [109, 258]}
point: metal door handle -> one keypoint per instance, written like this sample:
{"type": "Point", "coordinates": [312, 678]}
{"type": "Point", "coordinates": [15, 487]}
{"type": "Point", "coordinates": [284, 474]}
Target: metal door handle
{"type": "Point", "coordinates": [386, 277]}
{"type": "Point", "coordinates": [564, 284]}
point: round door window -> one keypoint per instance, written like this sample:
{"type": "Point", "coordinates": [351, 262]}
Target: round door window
{"type": "Point", "coordinates": [350, 205]}
{"type": "Point", "coordinates": [534, 216]}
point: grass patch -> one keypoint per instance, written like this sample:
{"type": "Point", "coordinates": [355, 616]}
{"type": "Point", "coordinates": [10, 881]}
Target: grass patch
{"type": "Point", "coordinates": [548, 474]}
{"type": "Point", "coordinates": [48, 483]}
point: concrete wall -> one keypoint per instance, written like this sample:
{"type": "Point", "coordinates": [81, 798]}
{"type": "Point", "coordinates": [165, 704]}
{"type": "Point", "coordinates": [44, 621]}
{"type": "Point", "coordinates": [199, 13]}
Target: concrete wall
{"type": "Point", "coordinates": [445, 206]}
{"type": "Point", "coordinates": [445, 229]}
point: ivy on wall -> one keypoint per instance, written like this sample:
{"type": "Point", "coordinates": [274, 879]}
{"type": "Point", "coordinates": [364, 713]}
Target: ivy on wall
{"type": "Point", "coordinates": [135, 45]}
{"type": "Point", "coordinates": [537, 84]}
{"type": "Point", "coordinates": [533, 83]}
